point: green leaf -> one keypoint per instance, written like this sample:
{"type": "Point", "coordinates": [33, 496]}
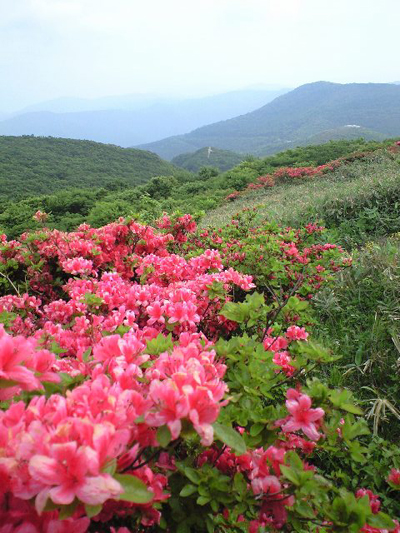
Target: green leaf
{"type": "Point", "coordinates": [66, 511]}
{"type": "Point", "coordinates": [290, 475]}
{"type": "Point", "coordinates": [202, 500]}
{"type": "Point", "coordinates": [234, 312]}
{"type": "Point", "coordinates": [230, 437]}
{"type": "Point", "coordinates": [192, 474]}
{"type": "Point", "coordinates": [110, 467]}
{"type": "Point", "coordinates": [304, 509]}
{"type": "Point", "coordinates": [92, 510]}
{"type": "Point", "coordinates": [351, 408]}
{"type": "Point", "coordinates": [163, 436]}
{"type": "Point", "coordinates": [5, 383]}
{"type": "Point", "coordinates": [188, 490]}
{"type": "Point", "coordinates": [86, 354]}
{"type": "Point", "coordinates": [381, 521]}
{"type": "Point", "coordinates": [183, 528]}
{"type": "Point", "coordinates": [135, 490]}
{"type": "Point", "coordinates": [159, 345]}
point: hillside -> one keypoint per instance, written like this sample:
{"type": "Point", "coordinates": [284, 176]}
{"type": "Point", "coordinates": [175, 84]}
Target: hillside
{"type": "Point", "coordinates": [186, 192]}
{"type": "Point", "coordinates": [357, 198]}
{"type": "Point", "coordinates": [217, 158]}
{"type": "Point", "coordinates": [131, 120]}
{"type": "Point", "coordinates": [294, 118]}
{"type": "Point", "coordinates": [32, 166]}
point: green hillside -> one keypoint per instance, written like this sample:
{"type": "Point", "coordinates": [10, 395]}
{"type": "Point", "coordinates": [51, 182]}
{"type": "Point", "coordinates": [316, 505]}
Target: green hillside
{"type": "Point", "coordinates": [217, 158]}
{"type": "Point", "coordinates": [44, 165]}
{"type": "Point", "coordinates": [185, 192]}
{"type": "Point", "coordinates": [347, 133]}
{"type": "Point", "coordinates": [358, 201]}
{"type": "Point", "coordinates": [294, 118]}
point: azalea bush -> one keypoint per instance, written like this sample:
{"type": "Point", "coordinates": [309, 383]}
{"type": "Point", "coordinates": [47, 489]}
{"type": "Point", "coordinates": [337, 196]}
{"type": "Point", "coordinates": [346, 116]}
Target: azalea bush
{"type": "Point", "coordinates": [165, 380]}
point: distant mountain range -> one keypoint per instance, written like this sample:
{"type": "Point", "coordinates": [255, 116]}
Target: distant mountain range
{"type": "Point", "coordinates": [315, 112]}
{"type": "Point", "coordinates": [132, 119]}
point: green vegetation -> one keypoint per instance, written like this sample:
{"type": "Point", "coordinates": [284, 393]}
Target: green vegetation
{"type": "Point", "coordinates": [44, 165]}
{"type": "Point", "coordinates": [352, 310]}
{"type": "Point", "coordinates": [357, 202]}
{"type": "Point", "coordinates": [360, 315]}
{"type": "Point", "coordinates": [294, 118]}
{"type": "Point", "coordinates": [186, 192]}
{"type": "Point", "coordinates": [221, 159]}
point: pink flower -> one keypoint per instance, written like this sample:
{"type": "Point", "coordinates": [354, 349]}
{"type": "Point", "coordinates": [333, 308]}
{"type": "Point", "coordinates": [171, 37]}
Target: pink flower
{"type": "Point", "coordinates": [266, 485]}
{"type": "Point", "coordinates": [155, 313]}
{"type": "Point", "coordinates": [170, 407]}
{"type": "Point", "coordinates": [71, 472]}
{"type": "Point", "coordinates": [394, 477]}
{"type": "Point", "coordinates": [203, 412]}
{"type": "Point", "coordinates": [77, 265]}
{"type": "Point", "coordinates": [294, 333]}
{"type": "Point", "coordinates": [302, 416]}
{"type": "Point", "coordinates": [13, 352]}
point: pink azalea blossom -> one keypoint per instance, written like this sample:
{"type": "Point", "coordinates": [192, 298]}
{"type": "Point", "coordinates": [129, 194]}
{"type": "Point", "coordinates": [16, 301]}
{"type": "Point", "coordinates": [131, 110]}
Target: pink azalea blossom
{"type": "Point", "coordinates": [302, 417]}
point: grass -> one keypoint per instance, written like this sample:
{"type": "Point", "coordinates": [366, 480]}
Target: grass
{"type": "Point", "coordinates": [335, 198]}
{"type": "Point", "coordinates": [359, 319]}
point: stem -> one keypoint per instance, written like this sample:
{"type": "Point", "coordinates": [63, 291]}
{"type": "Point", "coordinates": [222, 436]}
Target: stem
{"type": "Point", "coordinates": [11, 283]}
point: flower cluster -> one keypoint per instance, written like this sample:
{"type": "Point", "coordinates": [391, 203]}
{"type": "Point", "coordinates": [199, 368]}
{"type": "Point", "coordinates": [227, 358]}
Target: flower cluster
{"type": "Point", "coordinates": [113, 385]}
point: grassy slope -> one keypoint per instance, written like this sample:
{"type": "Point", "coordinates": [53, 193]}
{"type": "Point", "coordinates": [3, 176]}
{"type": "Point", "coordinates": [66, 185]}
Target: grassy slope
{"type": "Point", "coordinates": [43, 165]}
{"type": "Point", "coordinates": [334, 197]}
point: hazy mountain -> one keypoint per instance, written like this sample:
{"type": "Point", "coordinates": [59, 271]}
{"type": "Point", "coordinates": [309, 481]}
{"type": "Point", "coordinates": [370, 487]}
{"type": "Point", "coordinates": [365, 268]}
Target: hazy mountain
{"type": "Point", "coordinates": [217, 158]}
{"type": "Point", "coordinates": [129, 102]}
{"type": "Point", "coordinates": [294, 118]}
{"type": "Point", "coordinates": [126, 126]}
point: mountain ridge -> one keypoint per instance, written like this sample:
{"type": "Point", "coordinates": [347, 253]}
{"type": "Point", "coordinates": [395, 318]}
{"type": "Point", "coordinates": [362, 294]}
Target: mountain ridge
{"type": "Point", "coordinates": [293, 118]}
{"type": "Point", "coordinates": [148, 122]}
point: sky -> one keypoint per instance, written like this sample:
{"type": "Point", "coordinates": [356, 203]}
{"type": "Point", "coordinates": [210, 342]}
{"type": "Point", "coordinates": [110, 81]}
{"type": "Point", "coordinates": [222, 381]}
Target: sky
{"type": "Point", "coordinates": [94, 48]}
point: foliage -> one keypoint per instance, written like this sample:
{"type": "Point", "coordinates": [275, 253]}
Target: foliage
{"type": "Point", "coordinates": [31, 166]}
{"type": "Point", "coordinates": [359, 315]}
{"type": "Point", "coordinates": [357, 201]}
{"type": "Point", "coordinates": [221, 159]}
{"type": "Point", "coordinates": [207, 190]}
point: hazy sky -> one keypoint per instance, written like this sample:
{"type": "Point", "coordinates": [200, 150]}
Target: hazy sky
{"type": "Point", "coordinates": [91, 48]}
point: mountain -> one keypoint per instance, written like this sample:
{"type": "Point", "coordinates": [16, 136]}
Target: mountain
{"type": "Point", "coordinates": [30, 166]}
{"type": "Point", "coordinates": [71, 105]}
{"type": "Point", "coordinates": [131, 120]}
{"type": "Point", "coordinates": [217, 158]}
{"type": "Point", "coordinates": [294, 118]}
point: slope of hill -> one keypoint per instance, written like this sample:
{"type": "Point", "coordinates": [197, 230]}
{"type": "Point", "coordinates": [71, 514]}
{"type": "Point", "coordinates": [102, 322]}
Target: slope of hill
{"type": "Point", "coordinates": [294, 118]}
{"type": "Point", "coordinates": [184, 191]}
{"type": "Point", "coordinates": [217, 158]}
{"type": "Point", "coordinates": [129, 121]}
{"type": "Point", "coordinates": [349, 132]}
{"type": "Point", "coordinates": [357, 200]}
{"type": "Point", "coordinates": [31, 166]}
